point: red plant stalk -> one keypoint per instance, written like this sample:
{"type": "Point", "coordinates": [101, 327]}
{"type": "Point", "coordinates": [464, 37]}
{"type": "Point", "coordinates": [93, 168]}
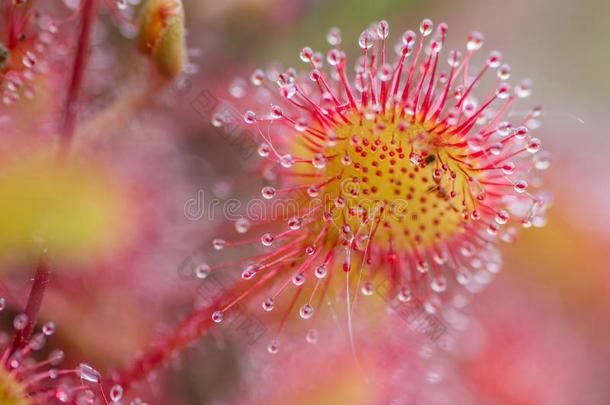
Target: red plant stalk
{"type": "Point", "coordinates": [189, 330]}
{"type": "Point", "coordinates": [68, 124]}
{"type": "Point", "coordinates": [32, 308]}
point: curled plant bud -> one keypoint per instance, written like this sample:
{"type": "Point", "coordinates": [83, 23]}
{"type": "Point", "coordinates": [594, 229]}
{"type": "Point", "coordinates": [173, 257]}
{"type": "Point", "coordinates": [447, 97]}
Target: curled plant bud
{"type": "Point", "coordinates": [162, 35]}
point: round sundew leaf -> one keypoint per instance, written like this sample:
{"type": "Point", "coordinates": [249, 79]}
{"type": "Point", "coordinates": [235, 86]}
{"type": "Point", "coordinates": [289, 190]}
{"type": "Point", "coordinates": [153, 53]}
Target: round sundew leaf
{"type": "Point", "coordinates": [74, 210]}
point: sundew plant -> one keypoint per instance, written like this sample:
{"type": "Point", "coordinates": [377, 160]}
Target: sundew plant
{"type": "Point", "coordinates": [390, 170]}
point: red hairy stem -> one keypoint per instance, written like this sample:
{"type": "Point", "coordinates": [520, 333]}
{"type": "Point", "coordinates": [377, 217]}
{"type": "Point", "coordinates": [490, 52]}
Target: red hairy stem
{"type": "Point", "coordinates": [68, 123]}
{"type": "Point", "coordinates": [32, 308]}
{"type": "Point", "coordinates": [195, 326]}
{"type": "Point", "coordinates": [192, 328]}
